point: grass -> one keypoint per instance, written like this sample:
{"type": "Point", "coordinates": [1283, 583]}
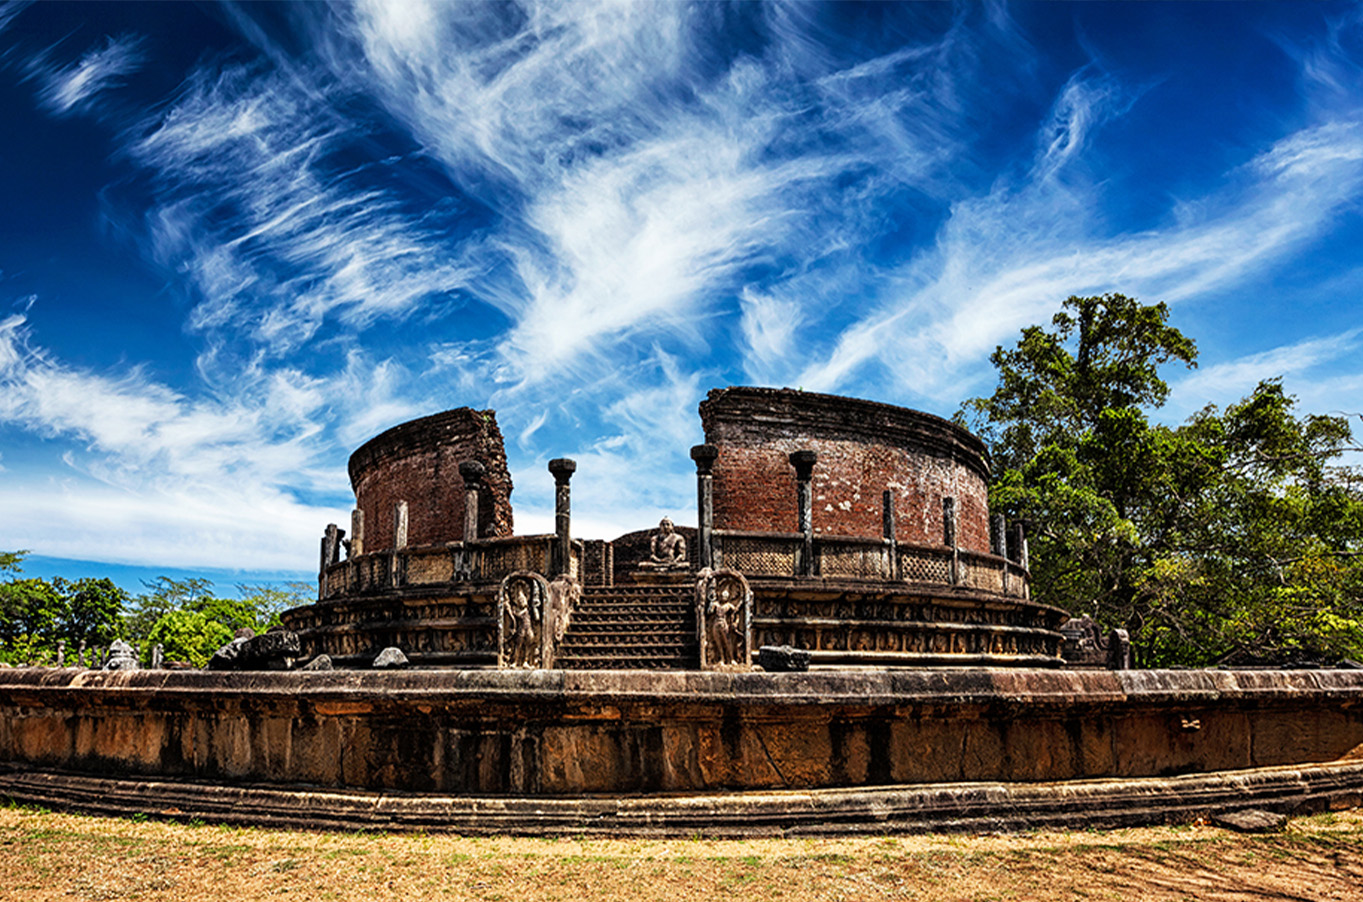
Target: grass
{"type": "Point", "coordinates": [52, 856]}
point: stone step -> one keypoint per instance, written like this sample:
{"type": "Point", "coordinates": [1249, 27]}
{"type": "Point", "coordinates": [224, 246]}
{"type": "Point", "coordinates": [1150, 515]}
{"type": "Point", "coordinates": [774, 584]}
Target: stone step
{"type": "Point", "coordinates": [606, 662]}
{"type": "Point", "coordinates": [632, 646]}
{"type": "Point", "coordinates": [626, 620]}
{"type": "Point", "coordinates": [631, 628]}
{"type": "Point", "coordinates": [634, 610]}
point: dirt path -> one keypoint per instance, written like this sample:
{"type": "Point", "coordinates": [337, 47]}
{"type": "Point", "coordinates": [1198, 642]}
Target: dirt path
{"type": "Point", "coordinates": [46, 856]}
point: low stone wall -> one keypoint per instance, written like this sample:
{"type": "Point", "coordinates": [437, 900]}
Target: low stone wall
{"type": "Point", "coordinates": [558, 733]}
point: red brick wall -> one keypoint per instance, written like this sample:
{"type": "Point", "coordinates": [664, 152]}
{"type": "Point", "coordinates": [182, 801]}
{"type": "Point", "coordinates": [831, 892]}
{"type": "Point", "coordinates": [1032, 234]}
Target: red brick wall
{"type": "Point", "coordinates": [863, 448]}
{"type": "Point", "coordinates": [418, 462]}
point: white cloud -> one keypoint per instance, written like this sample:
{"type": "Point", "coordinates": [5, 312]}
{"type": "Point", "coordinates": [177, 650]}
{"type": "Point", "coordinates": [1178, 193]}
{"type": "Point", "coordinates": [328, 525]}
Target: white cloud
{"type": "Point", "coordinates": [74, 88]}
{"type": "Point", "coordinates": [1300, 364]}
{"type": "Point", "coordinates": [1006, 260]}
{"type": "Point", "coordinates": [272, 233]}
{"type": "Point", "coordinates": [163, 478]}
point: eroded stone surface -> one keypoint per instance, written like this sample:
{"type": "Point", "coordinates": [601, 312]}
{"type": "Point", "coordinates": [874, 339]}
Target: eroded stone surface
{"type": "Point", "coordinates": [1251, 820]}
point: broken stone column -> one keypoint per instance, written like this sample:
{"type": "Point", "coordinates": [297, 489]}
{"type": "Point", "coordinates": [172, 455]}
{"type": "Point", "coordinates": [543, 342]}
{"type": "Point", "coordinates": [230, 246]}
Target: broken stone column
{"type": "Point", "coordinates": [158, 656]}
{"type": "Point", "coordinates": [356, 532]}
{"type": "Point", "coordinates": [473, 472]}
{"type": "Point", "coordinates": [1017, 546]}
{"type": "Point", "coordinates": [399, 542]}
{"type": "Point", "coordinates": [399, 525]}
{"type": "Point", "coordinates": [949, 537]}
{"type": "Point", "coordinates": [803, 462]}
{"type": "Point", "coordinates": [998, 535]}
{"type": "Point", "coordinates": [704, 456]}
{"type": "Point", "coordinates": [563, 469]}
{"type": "Point", "coordinates": [331, 553]}
{"type": "Point", "coordinates": [888, 530]}
{"type": "Point", "coordinates": [61, 652]}
{"type": "Point", "coordinates": [80, 654]}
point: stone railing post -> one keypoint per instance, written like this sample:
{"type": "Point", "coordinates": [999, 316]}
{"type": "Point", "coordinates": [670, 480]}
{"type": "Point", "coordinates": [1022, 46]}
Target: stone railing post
{"type": "Point", "coordinates": [949, 537]}
{"type": "Point", "coordinates": [998, 543]}
{"type": "Point", "coordinates": [888, 530]}
{"type": "Point", "coordinates": [704, 456]}
{"type": "Point", "coordinates": [473, 472]}
{"type": "Point", "coordinates": [563, 469]}
{"type": "Point", "coordinates": [356, 532]}
{"type": "Point", "coordinates": [1018, 547]}
{"type": "Point", "coordinates": [399, 542]}
{"type": "Point", "coordinates": [803, 462]}
{"type": "Point", "coordinates": [998, 535]}
{"type": "Point", "coordinates": [331, 542]}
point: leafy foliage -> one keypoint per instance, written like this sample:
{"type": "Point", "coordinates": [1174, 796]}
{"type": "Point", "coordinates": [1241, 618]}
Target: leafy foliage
{"type": "Point", "coordinates": [184, 615]}
{"type": "Point", "coordinates": [1231, 538]}
{"type": "Point", "coordinates": [190, 636]}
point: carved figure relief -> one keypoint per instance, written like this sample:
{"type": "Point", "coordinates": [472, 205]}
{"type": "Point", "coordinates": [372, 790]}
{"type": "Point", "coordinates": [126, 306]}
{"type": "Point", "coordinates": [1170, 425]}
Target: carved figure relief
{"type": "Point", "coordinates": [521, 605]}
{"type": "Point", "coordinates": [723, 603]}
{"type": "Point", "coordinates": [667, 551]}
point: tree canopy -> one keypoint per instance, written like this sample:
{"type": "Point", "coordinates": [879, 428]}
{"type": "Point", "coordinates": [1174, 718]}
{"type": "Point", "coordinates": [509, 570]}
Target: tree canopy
{"type": "Point", "coordinates": [1234, 538]}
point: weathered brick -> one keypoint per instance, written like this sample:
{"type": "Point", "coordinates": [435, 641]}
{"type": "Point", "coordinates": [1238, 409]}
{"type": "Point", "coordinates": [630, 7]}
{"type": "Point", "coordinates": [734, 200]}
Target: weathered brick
{"type": "Point", "coordinates": [863, 448]}
{"type": "Point", "coordinates": [418, 462]}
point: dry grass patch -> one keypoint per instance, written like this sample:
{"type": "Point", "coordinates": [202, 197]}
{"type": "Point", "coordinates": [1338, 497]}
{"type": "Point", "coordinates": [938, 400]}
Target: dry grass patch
{"type": "Point", "coordinates": [51, 856]}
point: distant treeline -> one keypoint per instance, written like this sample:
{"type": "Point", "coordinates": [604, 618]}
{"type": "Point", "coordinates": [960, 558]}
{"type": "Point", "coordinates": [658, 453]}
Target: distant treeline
{"type": "Point", "coordinates": [185, 617]}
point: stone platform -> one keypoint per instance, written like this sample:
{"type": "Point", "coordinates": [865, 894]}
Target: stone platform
{"type": "Point", "coordinates": [666, 751]}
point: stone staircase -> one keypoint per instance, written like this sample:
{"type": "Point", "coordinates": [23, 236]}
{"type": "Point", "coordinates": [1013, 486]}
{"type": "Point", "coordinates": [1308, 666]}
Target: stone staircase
{"type": "Point", "coordinates": [631, 628]}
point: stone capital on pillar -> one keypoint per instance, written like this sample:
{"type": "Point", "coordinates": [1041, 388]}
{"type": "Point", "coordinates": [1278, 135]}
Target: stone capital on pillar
{"type": "Point", "coordinates": [473, 472]}
{"type": "Point", "coordinates": [563, 469]}
{"type": "Point", "coordinates": [704, 456]}
{"type": "Point", "coordinates": [803, 462]}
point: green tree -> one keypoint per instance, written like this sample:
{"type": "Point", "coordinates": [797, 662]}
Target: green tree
{"type": "Point", "coordinates": [1229, 538]}
{"type": "Point", "coordinates": [93, 610]}
{"type": "Point", "coordinates": [30, 610]}
{"type": "Point", "coordinates": [12, 561]}
{"type": "Point", "coordinates": [189, 636]}
{"type": "Point", "coordinates": [164, 595]}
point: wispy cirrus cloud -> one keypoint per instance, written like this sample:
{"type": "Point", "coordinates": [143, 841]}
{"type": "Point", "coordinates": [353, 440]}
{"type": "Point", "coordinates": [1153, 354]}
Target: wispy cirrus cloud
{"type": "Point", "coordinates": [275, 234]}
{"type": "Point", "coordinates": [74, 88]}
{"type": "Point", "coordinates": [1005, 259]}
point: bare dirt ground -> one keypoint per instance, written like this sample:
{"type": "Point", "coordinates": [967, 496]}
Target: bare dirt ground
{"type": "Point", "coordinates": [49, 856]}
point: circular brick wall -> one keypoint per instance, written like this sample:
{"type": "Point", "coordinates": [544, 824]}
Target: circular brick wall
{"type": "Point", "coordinates": [863, 449]}
{"type": "Point", "coordinates": [418, 462]}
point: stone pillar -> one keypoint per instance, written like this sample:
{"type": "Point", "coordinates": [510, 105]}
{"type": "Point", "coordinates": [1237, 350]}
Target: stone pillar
{"type": "Point", "coordinates": [704, 456]}
{"type": "Point", "coordinates": [61, 652]}
{"type": "Point", "coordinates": [356, 532]}
{"type": "Point", "coordinates": [331, 544]}
{"type": "Point", "coordinates": [399, 543]}
{"type": "Point", "coordinates": [563, 469]}
{"type": "Point", "coordinates": [888, 530]}
{"type": "Point", "coordinates": [80, 654]}
{"type": "Point", "coordinates": [803, 462]}
{"type": "Point", "coordinates": [998, 544]}
{"type": "Point", "coordinates": [998, 535]}
{"type": "Point", "coordinates": [1017, 546]}
{"type": "Point", "coordinates": [949, 537]}
{"type": "Point", "coordinates": [399, 525]}
{"type": "Point", "coordinates": [158, 656]}
{"type": "Point", "coordinates": [473, 472]}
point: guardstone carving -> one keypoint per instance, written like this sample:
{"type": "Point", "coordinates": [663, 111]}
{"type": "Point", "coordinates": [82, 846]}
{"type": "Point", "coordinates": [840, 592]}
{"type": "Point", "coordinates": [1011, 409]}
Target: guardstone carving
{"type": "Point", "coordinates": [723, 619]}
{"type": "Point", "coordinates": [521, 605]}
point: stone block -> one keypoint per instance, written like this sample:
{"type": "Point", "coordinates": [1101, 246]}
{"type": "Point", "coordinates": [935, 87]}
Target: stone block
{"type": "Point", "coordinates": [782, 659]}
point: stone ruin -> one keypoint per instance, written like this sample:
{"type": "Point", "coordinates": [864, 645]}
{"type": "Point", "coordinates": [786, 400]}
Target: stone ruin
{"type": "Point", "coordinates": [844, 641]}
{"type": "Point", "coordinates": [860, 533]}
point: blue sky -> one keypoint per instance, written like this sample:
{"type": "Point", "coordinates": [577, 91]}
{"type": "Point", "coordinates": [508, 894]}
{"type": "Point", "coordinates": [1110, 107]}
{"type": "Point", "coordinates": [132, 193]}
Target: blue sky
{"type": "Point", "coordinates": [237, 241]}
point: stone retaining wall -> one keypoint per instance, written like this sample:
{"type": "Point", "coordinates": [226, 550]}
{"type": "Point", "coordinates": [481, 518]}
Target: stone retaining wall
{"type": "Point", "coordinates": [557, 733]}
